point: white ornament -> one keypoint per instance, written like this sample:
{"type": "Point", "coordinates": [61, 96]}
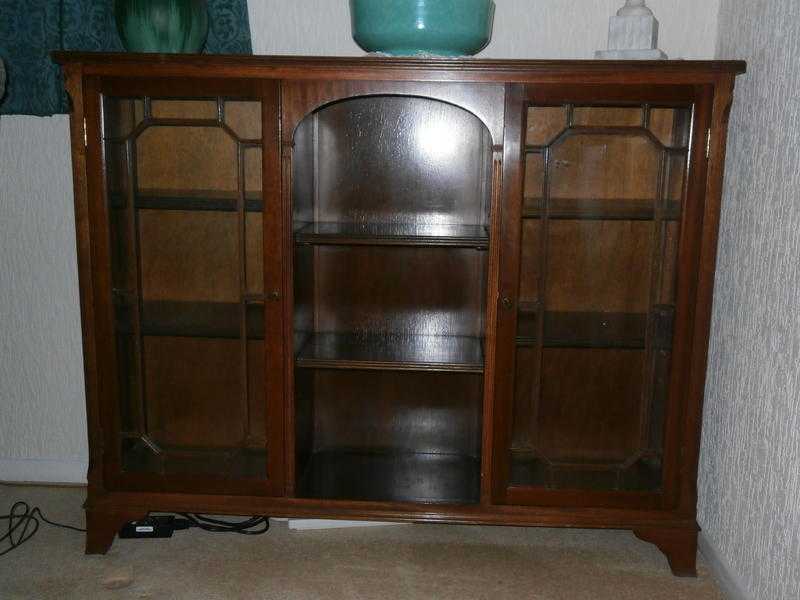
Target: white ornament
{"type": "Point", "coordinates": [634, 8]}
{"type": "Point", "coordinates": [632, 34]}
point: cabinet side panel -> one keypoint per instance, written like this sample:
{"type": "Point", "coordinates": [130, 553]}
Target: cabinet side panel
{"type": "Point", "coordinates": [74, 83]}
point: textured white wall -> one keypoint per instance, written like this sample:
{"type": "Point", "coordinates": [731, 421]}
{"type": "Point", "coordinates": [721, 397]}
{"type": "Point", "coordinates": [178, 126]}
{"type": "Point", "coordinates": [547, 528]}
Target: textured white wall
{"type": "Point", "coordinates": [42, 414]}
{"type": "Point", "coordinates": [750, 464]}
{"type": "Point", "coordinates": [42, 431]}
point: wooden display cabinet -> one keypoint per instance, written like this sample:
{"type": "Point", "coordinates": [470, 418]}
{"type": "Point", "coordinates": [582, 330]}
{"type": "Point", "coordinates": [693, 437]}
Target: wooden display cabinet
{"type": "Point", "coordinates": [457, 291]}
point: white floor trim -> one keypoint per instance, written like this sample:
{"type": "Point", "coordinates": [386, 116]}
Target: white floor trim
{"type": "Point", "coordinates": [42, 470]}
{"type": "Point", "coordinates": [312, 524]}
{"type": "Point", "coordinates": [728, 581]}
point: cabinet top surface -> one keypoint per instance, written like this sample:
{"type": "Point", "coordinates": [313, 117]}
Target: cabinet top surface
{"type": "Point", "coordinates": [371, 67]}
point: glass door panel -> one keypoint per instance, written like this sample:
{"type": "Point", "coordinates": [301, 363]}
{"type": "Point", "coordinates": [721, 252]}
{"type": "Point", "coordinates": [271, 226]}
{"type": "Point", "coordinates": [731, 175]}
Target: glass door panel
{"type": "Point", "coordinates": [185, 205]}
{"type": "Point", "coordinates": [604, 191]}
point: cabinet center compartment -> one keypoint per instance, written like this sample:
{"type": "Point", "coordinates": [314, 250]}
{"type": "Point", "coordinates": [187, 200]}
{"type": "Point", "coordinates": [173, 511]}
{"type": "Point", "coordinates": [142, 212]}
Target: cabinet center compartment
{"type": "Point", "coordinates": [391, 198]}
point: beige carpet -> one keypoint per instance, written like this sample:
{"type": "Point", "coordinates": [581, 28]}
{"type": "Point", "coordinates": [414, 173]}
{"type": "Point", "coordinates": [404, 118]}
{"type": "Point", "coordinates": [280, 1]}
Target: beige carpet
{"type": "Point", "coordinates": [408, 562]}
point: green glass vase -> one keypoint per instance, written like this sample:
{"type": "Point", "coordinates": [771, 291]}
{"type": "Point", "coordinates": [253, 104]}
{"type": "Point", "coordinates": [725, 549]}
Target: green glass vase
{"type": "Point", "coordinates": [166, 26]}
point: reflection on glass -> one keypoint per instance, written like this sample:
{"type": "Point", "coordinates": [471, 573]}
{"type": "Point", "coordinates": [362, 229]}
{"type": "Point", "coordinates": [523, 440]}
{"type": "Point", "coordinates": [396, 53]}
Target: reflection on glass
{"type": "Point", "coordinates": [391, 198]}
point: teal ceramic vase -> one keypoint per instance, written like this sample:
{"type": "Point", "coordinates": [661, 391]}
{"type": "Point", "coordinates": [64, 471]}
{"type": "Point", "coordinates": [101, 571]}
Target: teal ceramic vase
{"type": "Point", "coordinates": [167, 26]}
{"type": "Point", "coordinates": [420, 27]}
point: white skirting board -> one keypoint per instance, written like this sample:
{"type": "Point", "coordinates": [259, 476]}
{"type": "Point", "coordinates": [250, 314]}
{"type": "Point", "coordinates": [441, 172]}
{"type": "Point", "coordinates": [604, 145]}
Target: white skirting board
{"type": "Point", "coordinates": [728, 581]}
{"type": "Point", "coordinates": [43, 470]}
{"type": "Point", "coordinates": [313, 524]}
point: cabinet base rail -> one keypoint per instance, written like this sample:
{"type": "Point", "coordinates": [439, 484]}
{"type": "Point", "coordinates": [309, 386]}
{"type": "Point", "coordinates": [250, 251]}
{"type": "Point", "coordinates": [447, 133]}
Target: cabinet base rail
{"type": "Point", "coordinates": [673, 534]}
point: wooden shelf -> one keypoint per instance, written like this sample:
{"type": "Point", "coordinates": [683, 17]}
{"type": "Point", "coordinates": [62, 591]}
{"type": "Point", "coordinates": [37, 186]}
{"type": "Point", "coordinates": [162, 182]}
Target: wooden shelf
{"type": "Point", "coordinates": [396, 234]}
{"type": "Point", "coordinates": [391, 477]}
{"type": "Point", "coordinates": [598, 209]}
{"type": "Point", "coordinates": [583, 329]}
{"type": "Point", "coordinates": [392, 352]}
{"type": "Point", "coordinates": [226, 463]}
{"type": "Point", "coordinates": [193, 319]}
{"type": "Point", "coordinates": [531, 472]}
{"type": "Point", "coordinates": [190, 200]}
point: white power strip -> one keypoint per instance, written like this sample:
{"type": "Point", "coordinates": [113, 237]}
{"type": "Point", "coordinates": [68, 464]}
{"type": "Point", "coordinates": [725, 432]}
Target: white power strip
{"type": "Point", "coordinates": [313, 524]}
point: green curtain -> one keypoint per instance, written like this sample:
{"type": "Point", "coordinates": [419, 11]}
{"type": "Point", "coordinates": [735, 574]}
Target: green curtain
{"type": "Point", "coordinates": [31, 29]}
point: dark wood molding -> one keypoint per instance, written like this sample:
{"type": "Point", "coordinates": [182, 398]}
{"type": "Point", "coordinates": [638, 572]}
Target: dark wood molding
{"type": "Point", "coordinates": [446, 69]}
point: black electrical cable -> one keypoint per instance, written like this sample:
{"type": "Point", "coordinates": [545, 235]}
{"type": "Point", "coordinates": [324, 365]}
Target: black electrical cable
{"type": "Point", "coordinates": [246, 527]}
{"type": "Point", "coordinates": [23, 523]}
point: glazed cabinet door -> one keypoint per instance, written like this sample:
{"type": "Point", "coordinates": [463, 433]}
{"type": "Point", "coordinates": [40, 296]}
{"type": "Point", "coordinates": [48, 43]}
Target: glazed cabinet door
{"type": "Point", "coordinates": [601, 225]}
{"type": "Point", "coordinates": [185, 193]}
